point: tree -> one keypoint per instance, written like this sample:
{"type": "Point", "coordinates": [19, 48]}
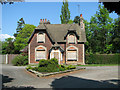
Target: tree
{"type": "Point", "coordinates": [65, 13]}
{"type": "Point", "coordinates": [70, 22]}
{"type": "Point", "coordinates": [20, 26]}
{"type": "Point", "coordinates": [76, 19]}
{"type": "Point", "coordinates": [116, 35]}
{"type": "Point", "coordinates": [23, 36]}
{"type": "Point", "coordinates": [100, 26]}
{"type": "Point", "coordinates": [8, 46]}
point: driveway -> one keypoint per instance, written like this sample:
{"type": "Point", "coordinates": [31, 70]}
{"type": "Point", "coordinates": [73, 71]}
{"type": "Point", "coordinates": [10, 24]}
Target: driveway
{"type": "Point", "coordinates": [91, 77]}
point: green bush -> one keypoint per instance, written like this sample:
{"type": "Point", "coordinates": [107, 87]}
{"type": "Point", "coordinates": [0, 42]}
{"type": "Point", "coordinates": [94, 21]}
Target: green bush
{"type": "Point", "coordinates": [71, 67]}
{"type": "Point", "coordinates": [48, 65]}
{"type": "Point", "coordinates": [20, 60]}
{"type": "Point", "coordinates": [62, 68]}
{"type": "Point", "coordinates": [54, 61]}
{"type": "Point", "coordinates": [43, 63]}
{"type": "Point", "coordinates": [28, 67]}
{"type": "Point", "coordinates": [102, 59]}
{"type": "Point", "coordinates": [51, 66]}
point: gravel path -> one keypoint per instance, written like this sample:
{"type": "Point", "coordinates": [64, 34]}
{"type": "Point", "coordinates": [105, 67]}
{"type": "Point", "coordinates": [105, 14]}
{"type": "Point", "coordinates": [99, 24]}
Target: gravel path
{"type": "Point", "coordinates": [91, 77]}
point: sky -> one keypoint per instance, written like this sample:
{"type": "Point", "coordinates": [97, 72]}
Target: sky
{"type": "Point", "coordinates": [32, 12]}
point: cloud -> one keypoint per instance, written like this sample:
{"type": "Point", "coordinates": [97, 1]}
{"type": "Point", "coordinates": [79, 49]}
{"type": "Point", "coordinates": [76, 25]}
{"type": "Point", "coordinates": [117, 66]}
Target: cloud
{"type": "Point", "coordinates": [5, 36]}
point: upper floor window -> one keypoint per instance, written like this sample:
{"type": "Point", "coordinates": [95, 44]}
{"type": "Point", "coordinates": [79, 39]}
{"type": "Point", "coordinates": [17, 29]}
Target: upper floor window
{"type": "Point", "coordinates": [71, 39]}
{"type": "Point", "coordinates": [41, 37]}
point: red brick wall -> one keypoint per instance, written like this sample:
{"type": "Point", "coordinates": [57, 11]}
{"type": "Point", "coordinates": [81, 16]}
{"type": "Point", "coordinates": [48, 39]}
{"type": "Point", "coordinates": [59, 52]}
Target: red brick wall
{"type": "Point", "coordinates": [48, 44]}
{"type": "Point", "coordinates": [34, 44]}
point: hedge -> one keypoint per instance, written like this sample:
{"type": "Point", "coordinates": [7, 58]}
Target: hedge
{"type": "Point", "coordinates": [102, 59]}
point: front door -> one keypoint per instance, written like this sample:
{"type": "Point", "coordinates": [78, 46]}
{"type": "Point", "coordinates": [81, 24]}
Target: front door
{"type": "Point", "coordinates": [56, 55]}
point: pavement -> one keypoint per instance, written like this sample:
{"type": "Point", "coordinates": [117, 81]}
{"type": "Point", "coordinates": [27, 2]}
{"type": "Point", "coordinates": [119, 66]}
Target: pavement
{"type": "Point", "coordinates": [91, 77]}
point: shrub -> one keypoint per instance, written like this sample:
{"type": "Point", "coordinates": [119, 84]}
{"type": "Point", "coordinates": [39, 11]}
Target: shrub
{"type": "Point", "coordinates": [48, 65]}
{"type": "Point", "coordinates": [71, 67]}
{"type": "Point", "coordinates": [54, 61]}
{"type": "Point", "coordinates": [20, 60]}
{"type": "Point", "coordinates": [43, 63]}
{"type": "Point", "coordinates": [62, 68]}
{"type": "Point", "coordinates": [28, 67]}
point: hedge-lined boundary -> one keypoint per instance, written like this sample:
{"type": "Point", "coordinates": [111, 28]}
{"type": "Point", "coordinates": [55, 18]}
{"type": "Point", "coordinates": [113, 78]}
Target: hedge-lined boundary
{"type": "Point", "coordinates": [102, 59]}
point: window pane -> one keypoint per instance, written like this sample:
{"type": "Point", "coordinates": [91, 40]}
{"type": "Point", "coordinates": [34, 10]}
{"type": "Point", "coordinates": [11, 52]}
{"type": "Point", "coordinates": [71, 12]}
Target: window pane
{"type": "Point", "coordinates": [41, 37]}
{"type": "Point", "coordinates": [71, 39]}
{"type": "Point", "coordinates": [72, 55]}
{"type": "Point", "coordinates": [40, 55]}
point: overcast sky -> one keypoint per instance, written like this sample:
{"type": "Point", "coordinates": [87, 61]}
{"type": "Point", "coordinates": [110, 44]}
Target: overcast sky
{"type": "Point", "coordinates": [32, 12]}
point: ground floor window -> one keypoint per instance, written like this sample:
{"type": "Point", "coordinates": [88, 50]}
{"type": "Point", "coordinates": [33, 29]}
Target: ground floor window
{"type": "Point", "coordinates": [40, 53]}
{"type": "Point", "coordinates": [72, 55]}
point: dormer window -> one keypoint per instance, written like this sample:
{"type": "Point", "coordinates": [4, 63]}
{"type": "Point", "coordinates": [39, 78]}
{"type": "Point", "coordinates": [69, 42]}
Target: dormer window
{"type": "Point", "coordinates": [41, 37]}
{"type": "Point", "coordinates": [71, 39]}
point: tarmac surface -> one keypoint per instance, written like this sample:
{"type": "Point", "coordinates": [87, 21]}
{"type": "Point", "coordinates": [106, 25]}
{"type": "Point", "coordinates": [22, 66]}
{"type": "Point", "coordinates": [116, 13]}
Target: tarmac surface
{"type": "Point", "coordinates": [91, 77]}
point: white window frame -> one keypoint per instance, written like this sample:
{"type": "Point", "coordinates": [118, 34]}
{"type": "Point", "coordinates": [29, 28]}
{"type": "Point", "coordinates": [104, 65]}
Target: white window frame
{"type": "Point", "coordinates": [41, 50]}
{"type": "Point", "coordinates": [69, 37]}
{"type": "Point", "coordinates": [67, 49]}
{"type": "Point", "coordinates": [42, 41]}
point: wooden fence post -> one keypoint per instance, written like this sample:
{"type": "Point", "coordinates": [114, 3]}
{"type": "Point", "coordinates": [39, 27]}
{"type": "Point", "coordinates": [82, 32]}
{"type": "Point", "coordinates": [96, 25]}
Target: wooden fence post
{"type": "Point", "coordinates": [6, 58]}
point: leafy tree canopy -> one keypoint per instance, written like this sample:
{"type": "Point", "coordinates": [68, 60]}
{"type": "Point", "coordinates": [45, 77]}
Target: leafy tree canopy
{"type": "Point", "coordinates": [23, 36]}
{"type": "Point", "coordinates": [65, 13]}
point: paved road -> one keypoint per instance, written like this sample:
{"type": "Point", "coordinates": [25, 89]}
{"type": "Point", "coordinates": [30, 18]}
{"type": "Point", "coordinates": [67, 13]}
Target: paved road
{"type": "Point", "coordinates": [91, 77]}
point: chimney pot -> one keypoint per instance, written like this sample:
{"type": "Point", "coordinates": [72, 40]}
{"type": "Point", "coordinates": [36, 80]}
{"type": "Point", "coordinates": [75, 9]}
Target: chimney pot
{"type": "Point", "coordinates": [80, 15]}
{"type": "Point", "coordinates": [40, 19]}
{"type": "Point", "coordinates": [45, 19]}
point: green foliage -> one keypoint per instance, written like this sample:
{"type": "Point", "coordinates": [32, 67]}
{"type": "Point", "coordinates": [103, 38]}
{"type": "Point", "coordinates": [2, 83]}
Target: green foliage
{"type": "Point", "coordinates": [43, 63]}
{"type": "Point", "coordinates": [20, 26]}
{"type": "Point", "coordinates": [70, 67]}
{"type": "Point", "coordinates": [70, 22]}
{"type": "Point", "coordinates": [8, 46]}
{"type": "Point", "coordinates": [98, 32]}
{"type": "Point", "coordinates": [48, 65]}
{"type": "Point", "coordinates": [51, 66]}
{"type": "Point", "coordinates": [62, 68]}
{"type": "Point", "coordinates": [23, 36]}
{"type": "Point", "coordinates": [53, 61]}
{"type": "Point", "coordinates": [102, 59]}
{"type": "Point", "coordinates": [115, 35]}
{"type": "Point", "coordinates": [20, 60]}
{"type": "Point", "coordinates": [65, 13]}
{"type": "Point", "coordinates": [76, 19]}
{"type": "Point", "coordinates": [29, 67]}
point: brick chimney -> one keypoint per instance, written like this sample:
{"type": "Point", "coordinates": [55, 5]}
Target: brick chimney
{"type": "Point", "coordinates": [81, 22]}
{"type": "Point", "coordinates": [44, 21]}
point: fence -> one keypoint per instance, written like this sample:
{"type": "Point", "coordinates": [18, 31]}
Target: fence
{"type": "Point", "coordinates": [7, 58]}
